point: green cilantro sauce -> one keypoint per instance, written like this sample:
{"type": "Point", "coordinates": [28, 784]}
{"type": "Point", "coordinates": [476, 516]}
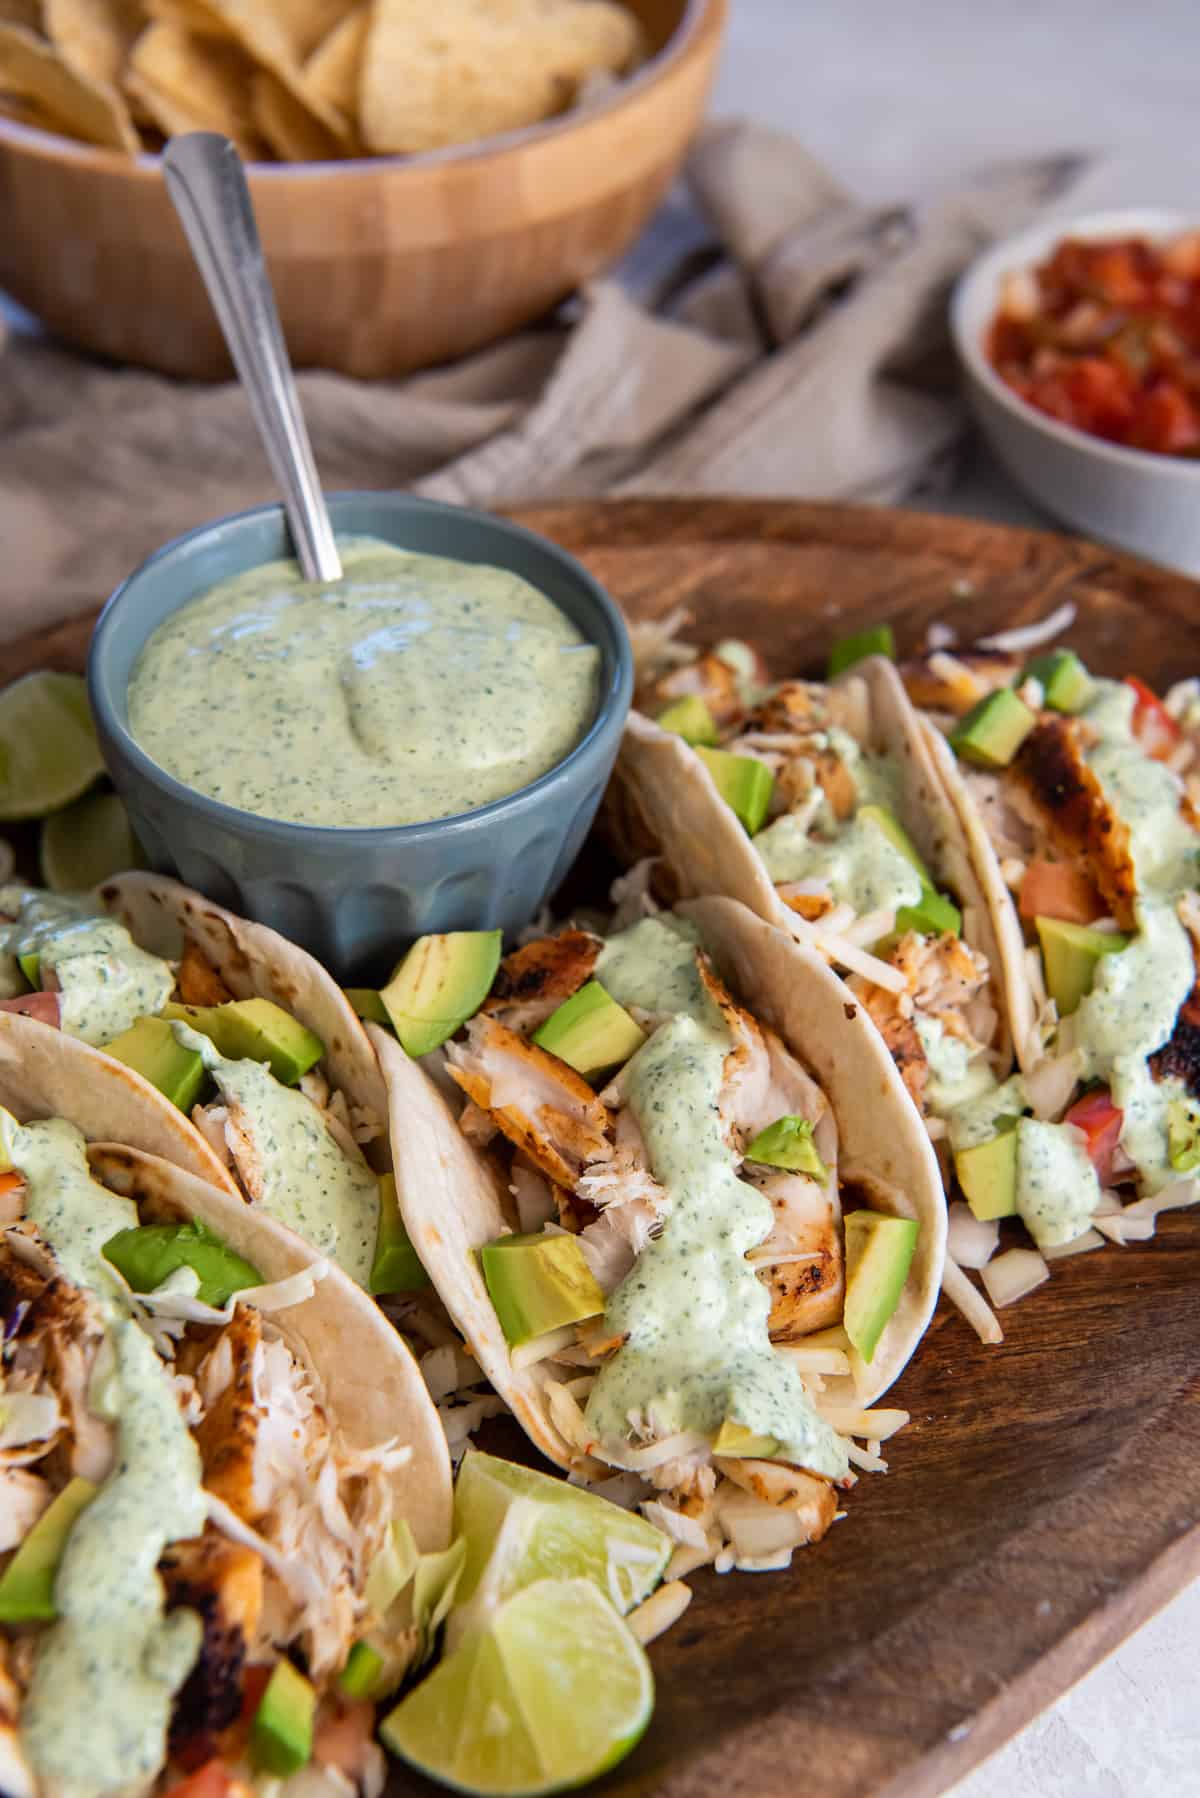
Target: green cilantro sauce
{"type": "Point", "coordinates": [96, 1715]}
{"type": "Point", "coordinates": [957, 1077]}
{"type": "Point", "coordinates": [415, 688]}
{"type": "Point", "coordinates": [105, 981]}
{"type": "Point", "coordinates": [1057, 1188]}
{"type": "Point", "coordinates": [693, 1309]}
{"type": "Point", "coordinates": [308, 1182]}
{"type": "Point", "coordinates": [860, 865]}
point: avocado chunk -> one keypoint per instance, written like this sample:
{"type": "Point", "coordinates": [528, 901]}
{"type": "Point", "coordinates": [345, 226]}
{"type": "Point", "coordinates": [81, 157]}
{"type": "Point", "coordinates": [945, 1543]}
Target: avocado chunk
{"type": "Point", "coordinates": [878, 641]}
{"type": "Point", "coordinates": [897, 836]}
{"type": "Point", "coordinates": [539, 1283]}
{"type": "Point", "coordinates": [151, 1048]}
{"type": "Point", "coordinates": [788, 1143]}
{"type": "Point", "coordinates": [736, 1440]}
{"type": "Point", "coordinates": [993, 731]}
{"type": "Point", "coordinates": [591, 1032]}
{"type": "Point", "coordinates": [1183, 1135]}
{"type": "Point", "coordinates": [27, 1585]}
{"type": "Point", "coordinates": [148, 1254]}
{"type": "Point", "coordinates": [932, 915]}
{"type": "Point", "coordinates": [1070, 953]}
{"type": "Point", "coordinates": [879, 1252]}
{"type": "Point", "coordinates": [367, 1004]}
{"type": "Point", "coordinates": [987, 1173]}
{"type": "Point", "coordinates": [690, 719]}
{"type": "Point", "coordinates": [441, 982]}
{"type": "Point", "coordinates": [281, 1736]}
{"type": "Point", "coordinates": [743, 783]}
{"type": "Point", "coordinates": [397, 1266]}
{"type": "Point", "coordinates": [31, 967]}
{"type": "Point", "coordinates": [254, 1030]}
{"type": "Point", "coordinates": [359, 1676]}
{"type": "Point", "coordinates": [1064, 680]}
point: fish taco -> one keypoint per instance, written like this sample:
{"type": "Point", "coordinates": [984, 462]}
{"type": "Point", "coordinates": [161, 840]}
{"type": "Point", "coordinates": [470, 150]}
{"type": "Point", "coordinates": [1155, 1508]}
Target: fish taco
{"type": "Point", "coordinates": [212, 1441]}
{"type": "Point", "coordinates": [670, 1188]}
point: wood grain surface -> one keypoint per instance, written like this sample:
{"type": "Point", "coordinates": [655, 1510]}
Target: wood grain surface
{"type": "Point", "coordinates": [1045, 1499]}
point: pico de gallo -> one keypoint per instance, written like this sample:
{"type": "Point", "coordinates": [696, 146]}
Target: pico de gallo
{"type": "Point", "coordinates": [1105, 336]}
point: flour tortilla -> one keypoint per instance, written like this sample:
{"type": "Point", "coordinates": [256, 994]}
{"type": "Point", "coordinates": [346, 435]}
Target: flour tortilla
{"type": "Point", "coordinates": [255, 963]}
{"type": "Point", "coordinates": [367, 1376]}
{"type": "Point", "coordinates": [451, 1199]}
{"type": "Point", "coordinates": [667, 803]}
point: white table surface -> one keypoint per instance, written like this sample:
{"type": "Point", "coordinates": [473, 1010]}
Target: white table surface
{"type": "Point", "coordinates": [897, 96]}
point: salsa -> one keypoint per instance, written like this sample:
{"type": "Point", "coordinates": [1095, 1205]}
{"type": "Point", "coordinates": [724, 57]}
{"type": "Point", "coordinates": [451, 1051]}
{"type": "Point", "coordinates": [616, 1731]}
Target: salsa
{"type": "Point", "coordinates": [1105, 336]}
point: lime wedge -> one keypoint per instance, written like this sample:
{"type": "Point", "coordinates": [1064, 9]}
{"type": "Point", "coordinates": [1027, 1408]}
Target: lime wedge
{"type": "Point", "coordinates": [554, 1692]}
{"type": "Point", "coordinates": [48, 750]}
{"type": "Point", "coordinates": [88, 842]}
{"type": "Point", "coordinates": [520, 1526]}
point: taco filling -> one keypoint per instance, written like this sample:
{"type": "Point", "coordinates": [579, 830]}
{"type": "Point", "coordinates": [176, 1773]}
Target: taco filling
{"type": "Point", "coordinates": [188, 1539]}
{"type": "Point", "coordinates": [1082, 796]}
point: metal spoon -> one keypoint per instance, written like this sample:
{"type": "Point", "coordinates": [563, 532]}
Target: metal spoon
{"type": "Point", "coordinates": [208, 188]}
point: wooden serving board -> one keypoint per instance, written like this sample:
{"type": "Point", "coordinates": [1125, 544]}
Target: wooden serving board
{"type": "Point", "coordinates": [1044, 1501]}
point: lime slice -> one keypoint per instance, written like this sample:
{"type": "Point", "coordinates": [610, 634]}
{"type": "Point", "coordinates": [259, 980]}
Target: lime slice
{"type": "Point", "coordinates": [88, 842]}
{"type": "Point", "coordinates": [520, 1526]}
{"type": "Point", "coordinates": [48, 750]}
{"type": "Point", "coordinates": [554, 1692]}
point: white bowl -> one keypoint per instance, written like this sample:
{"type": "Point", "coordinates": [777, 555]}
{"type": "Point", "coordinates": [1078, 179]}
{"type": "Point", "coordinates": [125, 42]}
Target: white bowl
{"type": "Point", "coordinates": [1138, 499]}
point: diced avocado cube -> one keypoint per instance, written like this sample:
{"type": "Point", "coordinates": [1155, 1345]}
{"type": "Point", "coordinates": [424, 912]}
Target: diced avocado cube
{"type": "Point", "coordinates": [591, 1032]}
{"type": "Point", "coordinates": [254, 1030]}
{"type": "Point", "coordinates": [397, 1266]}
{"type": "Point", "coordinates": [743, 783]}
{"type": "Point", "coordinates": [368, 1004]}
{"type": "Point", "coordinates": [1065, 681]}
{"type": "Point", "coordinates": [878, 641]}
{"type": "Point", "coordinates": [1070, 953]}
{"type": "Point", "coordinates": [987, 1173]}
{"type": "Point", "coordinates": [897, 836]}
{"type": "Point", "coordinates": [539, 1283]}
{"type": "Point", "coordinates": [993, 731]}
{"type": "Point", "coordinates": [281, 1736]}
{"type": "Point", "coordinates": [690, 719]}
{"type": "Point", "coordinates": [27, 1585]}
{"type": "Point", "coordinates": [151, 1048]}
{"type": "Point", "coordinates": [788, 1143]}
{"type": "Point", "coordinates": [879, 1252]}
{"type": "Point", "coordinates": [735, 1440]}
{"type": "Point", "coordinates": [31, 967]}
{"type": "Point", "coordinates": [441, 982]}
{"type": "Point", "coordinates": [359, 1676]}
{"type": "Point", "coordinates": [148, 1253]}
{"type": "Point", "coordinates": [932, 915]}
{"type": "Point", "coordinates": [1183, 1135]}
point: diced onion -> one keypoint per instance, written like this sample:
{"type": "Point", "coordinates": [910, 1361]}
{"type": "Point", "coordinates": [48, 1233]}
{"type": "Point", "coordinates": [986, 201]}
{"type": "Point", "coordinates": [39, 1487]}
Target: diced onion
{"type": "Point", "coordinates": [1013, 1275]}
{"type": "Point", "coordinates": [1107, 1205]}
{"type": "Point", "coordinates": [970, 1240]}
{"type": "Point", "coordinates": [1122, 1229]}
{"type": "Point", "coordinates": [689, 1532]}
{"type": "Point", "coordinates": [757, 1530]}
{"type": "Point", "coordinates": [27, 1417]}
{"type": "Point", "coordinates": [964, 1297]}
{"type": "Point", "coordinates": [1031, 636]}
{"type": "Point", "coordinates": [658, 1612]}
{"type": "Point", "coordinates": [1049, 1087]}
{"type": "Point", "coordinates": [1174, 1197]}
{"type": "Point", "coordinates": [1091, 1239]}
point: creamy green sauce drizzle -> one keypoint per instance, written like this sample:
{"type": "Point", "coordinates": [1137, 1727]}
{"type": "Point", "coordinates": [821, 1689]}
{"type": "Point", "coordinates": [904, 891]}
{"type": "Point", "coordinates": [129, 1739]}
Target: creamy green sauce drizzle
{"type": "Point", "coordinates": [973, 1120]}
{"type": "Point", "coordinates": [1057, 1188]}
{"type": "Point", "coordinates": [416, 688]}
{"type": "Point", "coordinates": [860, 865]}
{"type": "Point", "coordinates": [309, 1182]}
{"type": "Point", "coordinates": [96, 1715]}
{"type": "Point", "coordinates": [957, 1078]}
{"type": "Point", "coordinates": [106, 982]}
{"type": "Point", "coordinates": [693, 1310]}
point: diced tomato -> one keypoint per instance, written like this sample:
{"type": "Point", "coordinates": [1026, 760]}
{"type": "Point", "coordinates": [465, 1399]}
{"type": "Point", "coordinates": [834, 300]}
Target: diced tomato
{"type": "Point", "coordinates": [1165, 420]}
{"type": "Point", "coordinates": [1153, 725]}
{"type": "Point", "coordinates": [212, 1780]}
{"type": "Point", "coordinates": [343, 1736]}
{"type": "Point", "coordinates": [42, 1006]}
{"type": "Point", "coordinates": [1059, 890]}
{"type": "Point", "coordinates": [1099, 1119]}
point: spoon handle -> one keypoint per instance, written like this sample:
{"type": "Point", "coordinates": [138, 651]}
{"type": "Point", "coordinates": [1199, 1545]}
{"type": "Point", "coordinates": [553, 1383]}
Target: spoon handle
{"type": "Point", "coordinates": [208, 188]}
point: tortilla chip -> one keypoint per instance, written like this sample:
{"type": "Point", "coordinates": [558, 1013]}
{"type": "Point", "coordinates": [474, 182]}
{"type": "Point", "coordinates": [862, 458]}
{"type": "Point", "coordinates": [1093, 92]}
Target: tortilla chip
{"type": "Point", "coordinates": [93, 36]}
{"type": "Point", "coordinates": [289, 127]}
{"type": "Point", "coordinates": [465, 69]}
{"type": "Point", "coordinates": [34, 72]}
{"type": "Point", "coordinates": [192, 15]}
{"type": "Point", "coordinates": [308, 23]}
{"type": "Point", "coordinates": [192, 83]}
{"type": "Point", "coordinates": [269, 40]}
{"type": "Point", "coordinates": [333, 71]}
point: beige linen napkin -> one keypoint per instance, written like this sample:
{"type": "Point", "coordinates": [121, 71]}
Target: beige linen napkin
{"type": "Point", "coordinates": [801, 351]}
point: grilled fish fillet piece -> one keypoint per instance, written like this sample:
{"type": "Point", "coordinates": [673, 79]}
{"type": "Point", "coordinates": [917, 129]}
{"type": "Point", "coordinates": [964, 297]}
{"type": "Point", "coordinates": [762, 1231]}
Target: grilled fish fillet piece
{"type": "Point", "coordinates": [223, 1583]}
{"type": "Point", "coordinates": [707, 678]}
{"type": "Point", "coordinates": [955, 680]}
{"type": "Point", "coordinates": [787, 1488]}
{"type": "Point", "coordinates": [534, 981]}
{"type": "Point", "coordinates": [54, 1347]}
{"type": "Point", "coordinates": [197, 981]}
{"type": "Point", "coordinates": [227, 1435]}
{"type": "Point", "coordinates": [539, 1103]}
{"type": "Point", "coordinates": [1081, 823]}
{"type": "Point", "coordinates": [805, 1295]}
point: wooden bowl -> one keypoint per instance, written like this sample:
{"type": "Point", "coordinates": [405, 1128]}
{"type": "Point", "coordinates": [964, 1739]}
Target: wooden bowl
{"type": "Point", "coordinates": [381, 266]}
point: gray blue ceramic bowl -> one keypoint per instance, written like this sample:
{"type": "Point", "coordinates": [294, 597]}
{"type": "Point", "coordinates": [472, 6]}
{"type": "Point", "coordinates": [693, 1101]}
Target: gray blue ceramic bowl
{"type": "Point", "coordinates": [355, 896]}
